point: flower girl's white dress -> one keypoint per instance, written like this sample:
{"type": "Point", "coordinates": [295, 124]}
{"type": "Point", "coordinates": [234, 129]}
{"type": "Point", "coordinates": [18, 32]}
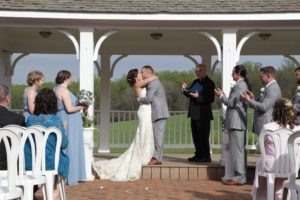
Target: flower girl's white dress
{"type": "Point", "coordinates": [129, 165]}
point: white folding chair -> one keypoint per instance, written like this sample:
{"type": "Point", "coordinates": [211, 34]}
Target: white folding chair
{"type": "Point", "coordinates": [293, 184]}
{"type": "Point", "coordinates": [50, 174]}
{"type": "Point", "coordinates": [9, 190]}
{"type": "Point", "coordinates": [32, 177]}
{"type": "Point", "coordinates": [29, 178]}
{"type": "Point", "coordinates": [281, 165]}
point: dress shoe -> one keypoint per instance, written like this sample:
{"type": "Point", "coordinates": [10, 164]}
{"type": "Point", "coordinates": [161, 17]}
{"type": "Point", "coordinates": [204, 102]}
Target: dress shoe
{"type": "Point", "coordinates": [153, 161]}
{"type": "Point", "coordinates": [193, 159]}
{"type": "Point", "coordinates": [232, 182]}
{"type": "Point", "coordinates": [201, 160]}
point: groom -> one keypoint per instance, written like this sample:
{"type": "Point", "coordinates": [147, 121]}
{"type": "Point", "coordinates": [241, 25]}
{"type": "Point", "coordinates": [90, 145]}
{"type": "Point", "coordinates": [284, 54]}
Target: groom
{"type": "Point", "coordinates": [157, 97]}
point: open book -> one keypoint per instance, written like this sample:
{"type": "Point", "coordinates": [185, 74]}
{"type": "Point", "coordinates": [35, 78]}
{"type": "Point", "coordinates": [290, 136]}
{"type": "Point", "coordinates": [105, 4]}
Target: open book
{"type": "Point", "coordinates": [197, 87]}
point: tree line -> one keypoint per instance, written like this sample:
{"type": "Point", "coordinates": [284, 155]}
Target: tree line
{"type": "Point", "coordinates": [122, 96]}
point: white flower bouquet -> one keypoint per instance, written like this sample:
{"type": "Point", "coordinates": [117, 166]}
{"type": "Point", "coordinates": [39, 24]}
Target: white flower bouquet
{"type": "Point", "coordinates": [86, 98]}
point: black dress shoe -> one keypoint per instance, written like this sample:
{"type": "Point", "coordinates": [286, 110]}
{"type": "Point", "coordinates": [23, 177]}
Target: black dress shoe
{"type": "Point", "coordinates": [201, 160]}
{"type": "Point", "coordinates": [194, 159]}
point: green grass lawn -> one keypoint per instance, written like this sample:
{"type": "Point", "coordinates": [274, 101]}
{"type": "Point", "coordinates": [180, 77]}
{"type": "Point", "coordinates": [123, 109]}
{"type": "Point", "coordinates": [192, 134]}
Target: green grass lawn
{"type": "Point", "coordinates": [178, 131]}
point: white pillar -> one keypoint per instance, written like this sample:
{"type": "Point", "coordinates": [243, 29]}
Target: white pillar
{"type": "Point", "coordinates": [5, 65]}
{"type": "Point", "coordinates": [206, 59]}
{"type": "Point", "coordinates": [104, 104]}
{"type": "Point", "coordinates": [228, 62]}
{"type": "Point", "coordinates": [86, 70]}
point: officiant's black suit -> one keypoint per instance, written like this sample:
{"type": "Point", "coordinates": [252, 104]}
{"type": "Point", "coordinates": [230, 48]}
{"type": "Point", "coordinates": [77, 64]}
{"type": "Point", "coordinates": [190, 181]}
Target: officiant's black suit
{"type": "Point", "coordinates": [200, 112]}
{"type": "Point", "coordinates": [6, 118]}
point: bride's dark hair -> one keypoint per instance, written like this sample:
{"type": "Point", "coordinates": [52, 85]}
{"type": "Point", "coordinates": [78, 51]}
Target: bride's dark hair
{"type": "Point", "coordinates": [131, 76]}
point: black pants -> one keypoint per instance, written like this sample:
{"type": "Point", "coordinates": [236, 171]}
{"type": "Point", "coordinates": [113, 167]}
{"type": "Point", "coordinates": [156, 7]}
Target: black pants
{"type": "Point", "coordinates": [200, 132]}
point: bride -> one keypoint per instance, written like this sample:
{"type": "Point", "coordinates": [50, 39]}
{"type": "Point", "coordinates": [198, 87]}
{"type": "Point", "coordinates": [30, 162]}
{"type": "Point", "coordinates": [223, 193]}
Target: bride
{"type": "Point", "coordinates": [129, 165]}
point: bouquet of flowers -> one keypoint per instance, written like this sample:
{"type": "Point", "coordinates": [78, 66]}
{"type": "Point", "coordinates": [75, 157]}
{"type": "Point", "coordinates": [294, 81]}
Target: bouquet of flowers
{"type": "Point", "coordinates": [86, 98]}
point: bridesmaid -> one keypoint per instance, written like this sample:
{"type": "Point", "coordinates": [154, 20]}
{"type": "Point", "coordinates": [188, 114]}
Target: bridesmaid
{"type": "Point", "coordinates": [35, 79]}
{"type": "Point", "coordinates": [69, 112]}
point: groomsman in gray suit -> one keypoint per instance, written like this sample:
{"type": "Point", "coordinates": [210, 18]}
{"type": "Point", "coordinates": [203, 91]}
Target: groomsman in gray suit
{"type": "Point", "coordinates": [296, 97]}
{"type": "Point", "coordinates": [236, 125]}
{"type": "Point", "coordinates": [157, 98]}
{"type": "Point", "coordinates": [263, 107]}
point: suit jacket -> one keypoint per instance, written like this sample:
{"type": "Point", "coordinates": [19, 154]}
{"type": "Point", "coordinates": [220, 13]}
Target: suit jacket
{"type": "Point", "coordinates": [6, 118]}
{"type": "Point", "coordinates": [236, 113]}
{"type": "Point", "coordinates": [200, 108]}
{"type": "Point", "coordinates": [263, 108]}
{"type": "Point", "coordinates": [156, 96]}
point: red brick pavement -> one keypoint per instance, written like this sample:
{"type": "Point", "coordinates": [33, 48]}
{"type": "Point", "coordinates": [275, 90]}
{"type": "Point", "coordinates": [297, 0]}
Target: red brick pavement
{"type": "Point", "coordinates": [156, 189]}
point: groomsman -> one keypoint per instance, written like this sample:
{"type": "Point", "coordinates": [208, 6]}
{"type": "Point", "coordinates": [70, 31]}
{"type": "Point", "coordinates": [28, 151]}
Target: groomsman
{"type": "Point", "coordinates": [263, 107]}
{"type": "Point", "coordinates": [296, 97]}
{"type": "Point", "coordinates": [236, 125]}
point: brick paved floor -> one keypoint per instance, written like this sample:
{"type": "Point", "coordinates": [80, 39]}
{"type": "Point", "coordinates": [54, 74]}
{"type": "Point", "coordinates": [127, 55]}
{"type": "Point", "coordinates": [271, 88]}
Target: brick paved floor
{"type": "Point", "coordinates": [156, 189]}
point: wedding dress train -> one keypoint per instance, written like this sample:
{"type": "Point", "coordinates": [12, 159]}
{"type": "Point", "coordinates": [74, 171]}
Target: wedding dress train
{"type": "Point", "coordinates": [129, 165]}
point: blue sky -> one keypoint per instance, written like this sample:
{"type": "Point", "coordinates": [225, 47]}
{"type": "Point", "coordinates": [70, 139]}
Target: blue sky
{"type": "Point", "coordinates": [51, 64]}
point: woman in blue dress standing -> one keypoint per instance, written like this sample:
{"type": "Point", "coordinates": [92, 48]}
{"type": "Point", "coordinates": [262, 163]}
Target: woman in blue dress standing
{"type": "Point", "coordinates": [34, 79]}
{"type": "Point", "coordinates": [69, 112]}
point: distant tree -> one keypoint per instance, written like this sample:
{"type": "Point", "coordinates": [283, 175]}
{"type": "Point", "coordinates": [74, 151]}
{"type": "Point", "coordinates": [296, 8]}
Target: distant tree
{"type": "Point", "coordinates": [123, 98]}
{"type": "Point", "coordinates": [286, 78]}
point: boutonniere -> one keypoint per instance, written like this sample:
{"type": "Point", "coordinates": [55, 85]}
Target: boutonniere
{"type": "Point", "coordinates": [262, 90]}
{"type": "Point", "coordinates": [298, 90]}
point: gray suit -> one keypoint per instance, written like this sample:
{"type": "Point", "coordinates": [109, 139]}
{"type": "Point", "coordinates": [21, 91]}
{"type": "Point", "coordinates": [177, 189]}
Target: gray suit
{"type": "Point", "coordinates": [236, 125]}
{"type": "Point", "coordinates": [263, 108]}
{"type": "Point", "coordinates": [157, 97]}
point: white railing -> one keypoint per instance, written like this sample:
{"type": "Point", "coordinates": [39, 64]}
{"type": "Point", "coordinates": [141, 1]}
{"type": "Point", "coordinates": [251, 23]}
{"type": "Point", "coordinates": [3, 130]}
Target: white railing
{"type": "Point", "coordinates": [178, 129]}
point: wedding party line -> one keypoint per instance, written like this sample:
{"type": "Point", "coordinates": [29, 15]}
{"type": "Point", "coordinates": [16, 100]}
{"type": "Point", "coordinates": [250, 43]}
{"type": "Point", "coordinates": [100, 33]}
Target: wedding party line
{"type": "Point", "coordinates": [275, 118]}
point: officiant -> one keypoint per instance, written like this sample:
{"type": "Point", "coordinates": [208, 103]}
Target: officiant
{"type": "Point", "coordinates": [201, 95]}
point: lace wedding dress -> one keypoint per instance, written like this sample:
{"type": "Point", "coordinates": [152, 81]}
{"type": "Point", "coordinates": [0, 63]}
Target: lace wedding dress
{"type": "Point", "coordinates": [129, 165]}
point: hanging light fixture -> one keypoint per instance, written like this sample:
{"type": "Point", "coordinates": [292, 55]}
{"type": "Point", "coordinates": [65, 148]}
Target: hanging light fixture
{"type": "Point", "coordinates": [45, 34]}
{"type": "Point", "coordinates": [264, 36]}
{"type": "Point", "coordinates": [156, 36]}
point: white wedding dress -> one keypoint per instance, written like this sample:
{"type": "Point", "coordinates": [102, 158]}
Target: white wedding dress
{"type": "Point", "coordinates": [129, 165]}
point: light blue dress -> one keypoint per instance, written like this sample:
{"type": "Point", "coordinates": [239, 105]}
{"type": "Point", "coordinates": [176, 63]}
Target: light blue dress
{"type": "Point", "coordinates": [75, 149]}
{"type": "Point", "coordinates": [26, 112]}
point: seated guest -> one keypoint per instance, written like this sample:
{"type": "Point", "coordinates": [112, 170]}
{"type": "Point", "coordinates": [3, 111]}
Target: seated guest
{"type": "Point", "coordinates": [6, 118]}
{"type": "Point", "coordinates": [284, 116]}
{"type": "Point", "coordinates": [45, 115]}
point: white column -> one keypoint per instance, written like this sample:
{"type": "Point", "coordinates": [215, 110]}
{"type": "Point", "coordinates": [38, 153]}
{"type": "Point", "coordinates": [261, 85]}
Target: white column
{"type": "Point", "coordinates": [5, 65]}
{"type": "Point", "coordinates": [206, 59]}
{"type": "Point", "coordinates": [86, 71]}
{"type": "Point", "coordinates": [104, 104]}
{"type": "Point", "coordinates": [228, 62]}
